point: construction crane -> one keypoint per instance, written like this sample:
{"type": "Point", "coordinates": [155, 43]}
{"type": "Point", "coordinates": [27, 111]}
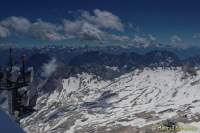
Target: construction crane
{"type": "Point", "coordinates": [16, 81]}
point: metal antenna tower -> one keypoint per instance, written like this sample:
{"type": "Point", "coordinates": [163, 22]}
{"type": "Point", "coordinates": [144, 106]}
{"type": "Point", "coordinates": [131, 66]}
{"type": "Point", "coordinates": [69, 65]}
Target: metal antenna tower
{"type": "Point", "coordinates": [13, 81]}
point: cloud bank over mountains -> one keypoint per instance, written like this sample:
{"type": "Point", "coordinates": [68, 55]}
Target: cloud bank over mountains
{"type": "Point", "coordinates": [87, 26]}
{"type": "Point", "coordinates": [98, 25]}
{"type": "Point", "coordinates": [24, 27]}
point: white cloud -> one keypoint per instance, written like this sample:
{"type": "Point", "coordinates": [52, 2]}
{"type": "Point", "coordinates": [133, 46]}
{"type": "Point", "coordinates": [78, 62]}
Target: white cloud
{"type": "Point", "coordinates": [152, 38]}
{"type": "Point", "coordinates": [130, 25]}
{"type": "Point", "coordinates": [140, 40]}
{"type": "Point", "coordinates": [4, 32]}
{"type": "Point", "coordinates": [19, 24]}
{"type": "Point", "coordinates": [176, 41]}
{"type": "Point", "coordinates": [49, 68]}
{"type": "Point", "coordinates": [90, 32]}
{"type": "Point", "coordinates": [72, 27]}
{"type": "Point", "coordinates": [196, 36]}
{"type": "Point", "coordinates": [89, 26]}
{"type": "Point", "coordinates": [83, 30]}
{"type": "Point", "coordinates": [144, 41]}
{"type": "Point", "coordinates": [37, 30]}
{"type": "Point", "coordinates": [133, 27]}
{"type": "Point", "coordinates": [85, 26]}
{"type": "Point", "coordinates": [45, 31]}
{"type": "Point", "coordinates": [103, 19]}
{"type": "Point", "coordinates": [121, 38]}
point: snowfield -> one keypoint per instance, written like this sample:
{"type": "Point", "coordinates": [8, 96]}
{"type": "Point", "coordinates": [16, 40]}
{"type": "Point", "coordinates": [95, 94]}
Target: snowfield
{"type": "Point", "coordinates": [133, 102]}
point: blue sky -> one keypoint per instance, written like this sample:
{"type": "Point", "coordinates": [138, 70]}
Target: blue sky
{"type": "Point", "coordinates": [174, 22]}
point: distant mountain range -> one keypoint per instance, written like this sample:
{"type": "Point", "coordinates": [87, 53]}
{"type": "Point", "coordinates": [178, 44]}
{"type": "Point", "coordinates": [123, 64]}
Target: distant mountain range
{"type": "Point", "coordinates": [111, 84]}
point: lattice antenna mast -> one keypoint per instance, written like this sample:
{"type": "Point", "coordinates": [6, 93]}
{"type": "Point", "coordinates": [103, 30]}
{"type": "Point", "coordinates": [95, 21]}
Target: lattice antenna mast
{"type": "Point", "coordinates": [23, 69]}
{"type": "Point", "coordinates": [10, 60]}
{"type": "Point", "coordinates": [15, 80]}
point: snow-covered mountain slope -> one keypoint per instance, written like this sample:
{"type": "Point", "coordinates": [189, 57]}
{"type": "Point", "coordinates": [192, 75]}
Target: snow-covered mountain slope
{"type": "Point", "coordinates": [126, 104]}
